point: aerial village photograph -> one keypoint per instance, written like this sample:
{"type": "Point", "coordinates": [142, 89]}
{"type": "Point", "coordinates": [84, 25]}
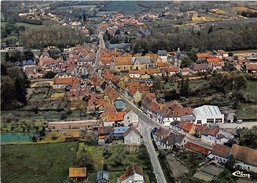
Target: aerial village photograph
{"type": "Point", "coordinates": [128, 91]}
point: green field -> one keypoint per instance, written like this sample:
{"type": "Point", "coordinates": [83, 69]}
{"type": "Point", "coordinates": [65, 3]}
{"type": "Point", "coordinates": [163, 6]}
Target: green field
{"type": "Point", "coordinates": [246, 110]}
{"type": "Point", "coordinates": [37, 163]}
{"type": "Point", "coordinates": [28, 26]}
{"type": "Point", "coordinates": [124, 7]}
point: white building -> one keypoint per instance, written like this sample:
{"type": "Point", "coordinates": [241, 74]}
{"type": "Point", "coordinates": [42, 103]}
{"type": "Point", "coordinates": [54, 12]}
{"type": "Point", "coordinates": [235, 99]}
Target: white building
{"type": "Point", "coordinates": [208, 114]}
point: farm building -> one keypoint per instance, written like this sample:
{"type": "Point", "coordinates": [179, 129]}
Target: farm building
{"type": "Point", "coordinates": [208, 114]}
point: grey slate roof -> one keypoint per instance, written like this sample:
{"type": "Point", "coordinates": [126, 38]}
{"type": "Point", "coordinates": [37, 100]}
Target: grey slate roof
{"type": "Point", "coordinates": [162, 52]}
{"type": "Point", "coordinates": [143, 60]}
{"type": "Point", "coordinates": [102, 175]}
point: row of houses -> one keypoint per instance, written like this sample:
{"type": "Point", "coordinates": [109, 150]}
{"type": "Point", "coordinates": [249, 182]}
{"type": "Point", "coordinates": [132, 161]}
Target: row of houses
{"type": "Point", "coordinates": [130, 135]}
{"type": "Point", "coordinates": [245, 157]}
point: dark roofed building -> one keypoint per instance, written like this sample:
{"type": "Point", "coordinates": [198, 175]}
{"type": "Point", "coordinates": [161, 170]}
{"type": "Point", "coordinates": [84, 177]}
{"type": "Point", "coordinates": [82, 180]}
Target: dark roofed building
{"type": "Point", "coordinates": [102, 176]}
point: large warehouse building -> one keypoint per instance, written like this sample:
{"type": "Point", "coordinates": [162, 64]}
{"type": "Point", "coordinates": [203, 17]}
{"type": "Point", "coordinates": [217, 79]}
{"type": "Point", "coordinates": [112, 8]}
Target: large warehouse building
{"type": "Point", "coordinates": [208, 114]}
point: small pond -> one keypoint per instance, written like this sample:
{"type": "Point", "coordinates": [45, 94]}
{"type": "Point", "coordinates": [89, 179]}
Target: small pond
{"type": "Point", "coordinates": [16, 137]}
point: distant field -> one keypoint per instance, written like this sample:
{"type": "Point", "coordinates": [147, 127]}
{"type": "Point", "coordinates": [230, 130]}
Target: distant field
{"type": "Point", "coordinates": [37, 163]}
{"type": "Point", "coordinates": [27, 25]}
{"type": "Point", "coordinates": [123, 6]}
{"type": "Point", "coordinates": [83, 6]}
{"type": "Point", "coordinates": [242, 8]}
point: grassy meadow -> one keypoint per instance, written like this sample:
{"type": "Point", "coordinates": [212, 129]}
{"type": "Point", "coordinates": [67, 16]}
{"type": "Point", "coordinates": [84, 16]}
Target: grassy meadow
{"type": "Point", "coordinates": [37, 163]}
{"type": "Point", "coordinates": [123, 6]}
{"type": "Point", "coordinates": [247, 110]}
{"type": "Point", "coordinates": [128, 155]}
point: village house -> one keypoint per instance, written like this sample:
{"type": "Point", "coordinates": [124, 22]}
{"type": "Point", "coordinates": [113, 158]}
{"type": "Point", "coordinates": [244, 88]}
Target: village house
{"type": "Point", "coordinates": [164, 115]}
{"type": "Point", "coordinates": [209, 134]}
{"type": "Point", "coordinates": [134, 174]}
{"type": "Point", "coordinates": [61, 83]}
{"type": "Point", "coordinates": [184, 71]}
{"type": "Point", "coordinates": [245, 157]}
{"type": "Point", "coordinates": [198, 148]}
{"type": "Point", "coordinates": [222, 54]}
{"type": "Point", "coordinates": [130, 119]}
{"type": "Point", "coordinates": [215, 63]}
{"type": "Point", "coordinates": [119, 131]}
{"type": "Point", "coordinates": [195, 68]}
{"type": "Point", "coordinates": [159, 134]}
{"type": "Point", "coordinates": [134, 94]}
{"type": "Point", "coordinates": [162, 54]}
{"type": "Point", "coordinates": [172, 70]}
{"type": "Point", "coordinates": [220, 153]}
{"type": "Point", "coordinates": [135, 74]}
{"type": "Point", "coordinates": [167, 142]}
{"type": "Point", "coordinates": [112, 118]}
{"type": "Point", "coordinates": [183, 126]}
{"type": "Point", "coordinates": [250, 68]}
{"type": "Point", "coordinates": [132, 136]}
{"type": "Point", "coordinates": [105, 134]}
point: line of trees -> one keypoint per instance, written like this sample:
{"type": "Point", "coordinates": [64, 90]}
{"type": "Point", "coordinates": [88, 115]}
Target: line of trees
{"type": "Point", "coordinates": [227, 37]}
{"type": "Point", "coordinates": [58, 36]}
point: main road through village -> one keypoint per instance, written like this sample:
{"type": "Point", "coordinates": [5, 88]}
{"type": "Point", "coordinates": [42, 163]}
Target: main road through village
{"type": "Point", "coordinates": [146, 124]}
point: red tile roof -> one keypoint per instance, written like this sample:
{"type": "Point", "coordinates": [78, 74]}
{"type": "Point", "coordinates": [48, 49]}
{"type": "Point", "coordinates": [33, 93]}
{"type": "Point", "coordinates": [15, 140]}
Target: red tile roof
{"type": "Point", "coordinates": [162, 132]}
{"type": "Point", "coordinates": [188, 126]}
{"type": "Point", "coordinates": [123, 61]}
{"type": "Point", "coordinates": [197, 148]}
{"type": "Point", "coordinates": [113, 116]}
{"type": "Point", "coordinates": [244, 154]}
{"type": "Point", "coordinates": [131, 170]}
{"type": "Point", "coordinates": [58, 81]}
{"type": "Point", "coordinates": [220, 150]}
{"type": "Point", "coordinates": [214, 131]}
{"type": "Point", "coordinates": [214, 60]}
{"type": "Point", "coordinates": [104, 130]}
{"type": "Point", "coordinates": [199, 127]}
{"type": "Point", "coordinates": [252, 67]}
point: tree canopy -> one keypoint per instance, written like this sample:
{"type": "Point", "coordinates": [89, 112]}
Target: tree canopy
{"type": "Point", "coordinates": [13, 87]}
{"type": "Point", "coordinates": [58, 36]}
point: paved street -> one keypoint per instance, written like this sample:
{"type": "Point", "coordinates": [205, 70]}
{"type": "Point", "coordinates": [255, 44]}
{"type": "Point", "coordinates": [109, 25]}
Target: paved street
{"type": "Point", "coordinates": [146, 132]}
{"type": "Point", "coordinates": [234, 125]}
{"type": "Point", "coordinates": [147, 125]}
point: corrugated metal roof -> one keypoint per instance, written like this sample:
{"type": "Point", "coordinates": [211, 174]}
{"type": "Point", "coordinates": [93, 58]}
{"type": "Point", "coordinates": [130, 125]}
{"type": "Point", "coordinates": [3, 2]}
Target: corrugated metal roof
{"type": "Point", "coordinates": [207, 110]}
